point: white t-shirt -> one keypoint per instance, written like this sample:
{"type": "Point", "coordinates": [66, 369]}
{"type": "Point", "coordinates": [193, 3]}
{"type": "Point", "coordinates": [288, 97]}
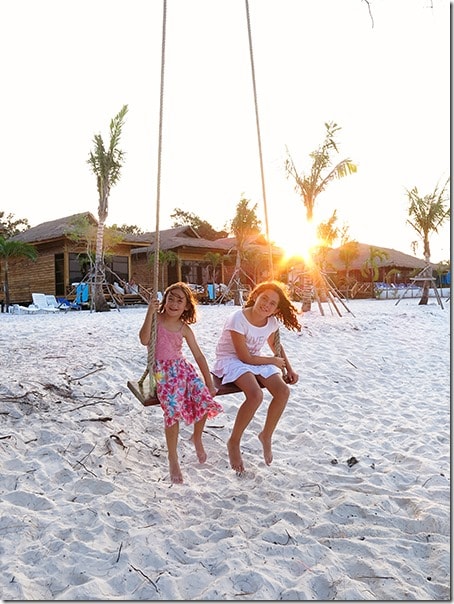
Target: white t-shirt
{"type": "Point", "coordinates": [227, 363]}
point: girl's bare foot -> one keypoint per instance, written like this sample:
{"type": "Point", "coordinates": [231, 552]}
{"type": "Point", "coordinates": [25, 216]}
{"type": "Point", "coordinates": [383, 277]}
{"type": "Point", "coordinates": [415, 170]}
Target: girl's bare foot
{"type": "Point", "coordinates": [201, 454]}
{"type": "Point", "coordinates": [176, 477]}
{"type": "Point", "coordinates": [267, 452]}
{"type": "Point", "coordinates": [236, 461]}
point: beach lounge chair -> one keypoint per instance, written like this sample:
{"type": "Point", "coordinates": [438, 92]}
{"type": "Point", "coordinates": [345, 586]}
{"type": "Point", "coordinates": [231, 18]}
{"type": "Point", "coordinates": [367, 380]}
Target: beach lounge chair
{"type": "Point", "coordinates": [17, 309]}
{"type": "Point", "coordinates": [40, 302]}
{"type": "Point", "coordinates": [54, 303]}
{"type": "Point", "coordinates": [65, 304]}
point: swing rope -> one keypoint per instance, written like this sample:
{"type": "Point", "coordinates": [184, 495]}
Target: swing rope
{"type": "Point", "coordinates": [277, 340]}
{"type": "Point", "coordinates": [152, 345]}
{"type": "Point", "coordinates": [259, 140]}
{"type": "Point", "coordinates": [137, 388]}
{"type": "Point", "coordinates": [278, 351]}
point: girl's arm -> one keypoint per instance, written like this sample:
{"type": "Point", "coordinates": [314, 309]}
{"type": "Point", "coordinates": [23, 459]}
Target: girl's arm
{"type": "Point", "coordinates": [145, 330]}
{"type": "Point", "coordinates": [242, 351]}
{"type": "Point", "coordinates": [199, 358]}
{"type": "Point", "coordinates": [292, 376]}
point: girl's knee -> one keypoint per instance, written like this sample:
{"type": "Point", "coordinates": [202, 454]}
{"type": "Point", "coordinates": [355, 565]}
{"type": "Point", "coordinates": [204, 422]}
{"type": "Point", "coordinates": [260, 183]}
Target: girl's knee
{"type": "Point", "coordinates": [286, 391]}
{"type": "Point", "coordinates": [281, 391]}
{"type": "Point", "coordinates": [254, 398]}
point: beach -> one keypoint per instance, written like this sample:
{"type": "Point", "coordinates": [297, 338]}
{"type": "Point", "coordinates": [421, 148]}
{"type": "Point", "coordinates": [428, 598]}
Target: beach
{"type": "Point", "coordinates": [355, 506]}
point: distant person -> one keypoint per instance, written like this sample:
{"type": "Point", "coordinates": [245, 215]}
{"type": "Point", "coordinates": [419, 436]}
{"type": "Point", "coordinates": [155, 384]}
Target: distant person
{"type": "Point", "coordinates": [132, 287]}
{"type": "Point", "coordinates": [119, 292]}
{"type": "Point", "coordinates": [183, 395]}
{"type": "Point", "coordinates": [117, 287]}
{"type": "Point", "coordinates": [239, 360]}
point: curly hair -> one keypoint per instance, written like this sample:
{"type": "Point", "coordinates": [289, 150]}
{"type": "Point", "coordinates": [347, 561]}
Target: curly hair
{"type": "Point", "coordinates": [189, 315]}
{"type": "Point", "coordinates": [286, 312]}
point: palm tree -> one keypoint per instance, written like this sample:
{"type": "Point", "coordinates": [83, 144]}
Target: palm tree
{"type": "Point", "coordinates": [245, 227]}
{"type": "Point", "coordinates": [165, 258]}
{"type": "Point", "coordinates": [106, 164]}
{"type": "Point", "coordinates": [82, 231]}
{"type": "Point", "coordinates": [348, 252]}
{"type": "Point", "coordinates": [327, 233]}
{"type": "Point", "coordinates": [214, 259]}
{"type": "Point", "coordinates": [16, 249]}
{"type": "Point", "coordinates": [310, 186]}
{"type": "Point", "coordinates": [370, 266]}
{"type": "Point", "coordinates": [426, 216]}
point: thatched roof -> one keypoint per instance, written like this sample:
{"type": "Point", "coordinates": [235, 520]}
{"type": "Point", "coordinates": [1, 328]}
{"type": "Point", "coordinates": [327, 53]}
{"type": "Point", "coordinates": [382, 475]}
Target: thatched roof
{"type": "Point", "coordinates": [393, 259]}
{"type": "Point", "coordinates": [59, 228]}
{"type": "Point", "coordinates": [180, 237]}
{"type": "Point", "coordinates": [177, 237]}
{"type": "Point", "coordinates": [53, 229]}
{"type": "Point", "coordinates": [186, 237]}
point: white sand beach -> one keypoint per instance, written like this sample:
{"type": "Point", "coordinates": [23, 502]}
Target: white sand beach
{"type": "Point", "coordinates": [89, 513]}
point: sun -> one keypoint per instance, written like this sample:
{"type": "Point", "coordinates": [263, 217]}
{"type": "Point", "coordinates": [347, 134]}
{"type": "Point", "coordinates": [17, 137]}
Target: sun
{"type": "Point", "coordinates": [298, 241]}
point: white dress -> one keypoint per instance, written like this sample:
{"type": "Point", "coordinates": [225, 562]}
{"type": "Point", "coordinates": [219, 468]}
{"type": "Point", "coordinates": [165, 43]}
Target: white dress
{"type": "Point", "coordinates": [227, 364]}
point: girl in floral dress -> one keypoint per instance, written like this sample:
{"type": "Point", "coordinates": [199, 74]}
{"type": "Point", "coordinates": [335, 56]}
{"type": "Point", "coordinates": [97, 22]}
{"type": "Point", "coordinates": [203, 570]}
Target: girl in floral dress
{"type": "Point", "coordinates": [183, 395]}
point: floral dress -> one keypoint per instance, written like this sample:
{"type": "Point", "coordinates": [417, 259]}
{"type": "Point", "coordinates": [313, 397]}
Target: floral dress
{"type": "Point", "coordinates": [182, 393]}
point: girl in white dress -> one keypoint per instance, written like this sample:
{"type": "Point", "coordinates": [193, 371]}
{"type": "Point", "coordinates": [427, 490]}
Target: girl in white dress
{"type": "Point", "coordinates": [239, 359]}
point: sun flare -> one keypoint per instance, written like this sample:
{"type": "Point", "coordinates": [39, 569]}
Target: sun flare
{"type": "Point", "coordinates": [298, 241]}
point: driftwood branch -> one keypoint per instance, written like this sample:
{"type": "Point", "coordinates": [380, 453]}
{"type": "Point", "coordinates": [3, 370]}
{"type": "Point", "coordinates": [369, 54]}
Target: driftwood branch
{"type": "Point", "coordinates": [74, 379]}
{"type": "Point", "coordinates": [145, 576]}
{"type": "Point", "coordinates": [119, 552]}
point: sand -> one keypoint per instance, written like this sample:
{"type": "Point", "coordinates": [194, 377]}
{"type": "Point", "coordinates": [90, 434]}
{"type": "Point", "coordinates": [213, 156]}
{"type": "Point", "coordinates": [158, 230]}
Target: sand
{"type": "Point", "coordinates": [356, 505]}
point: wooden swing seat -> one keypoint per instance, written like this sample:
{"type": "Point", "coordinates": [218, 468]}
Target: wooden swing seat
{"type": "Point", "coordinates": [230, 388]}
{"type": "Point", "coordinates": [143, 394]}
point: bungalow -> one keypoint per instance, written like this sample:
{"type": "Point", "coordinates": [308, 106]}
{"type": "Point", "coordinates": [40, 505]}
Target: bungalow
{"type": "Point", "coordinates": [353, 279]}
{"type": "Point", "coordinates": [62, 261]}
{"type": "Point", "coordinates": [392, 267]}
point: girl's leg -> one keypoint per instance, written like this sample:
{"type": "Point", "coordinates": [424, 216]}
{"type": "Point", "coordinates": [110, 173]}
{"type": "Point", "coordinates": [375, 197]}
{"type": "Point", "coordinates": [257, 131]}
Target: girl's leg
{"type": "Point", "coordinates": [280, 393]}
{"type": "Point", "coordinates": [246, 412]}
{"type": "Point", "coordinates": [197, 439]}
{"type": "Point", "coordinates": [171, 433]}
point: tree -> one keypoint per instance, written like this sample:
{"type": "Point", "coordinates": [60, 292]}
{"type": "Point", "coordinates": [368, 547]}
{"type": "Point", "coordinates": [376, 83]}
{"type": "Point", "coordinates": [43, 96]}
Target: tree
{"type": "Point", "coordinates": [130, 229]}
{"type": "Point", "coordinates": [165, 258]}
{"type": "Point", "coordinates": [370, 266]}
{"type": "Point", "coordinates": [310, 186]}
{"type": "Point", "coordinates": [348, 252]}
{"type": "Point", "coordinates": [14, 249]}
{"type": "Point", "coordinates": [327, 233]}
{"type": "Point", "coordinates": [10, 227]}
{"type": "Point", "coordinates": [442, 269]}
{"type": "Point", "coordinates": [245, 227]}
{"type": "Point", "coordinates": [106, 164]}
{"type": "Point", "coordinates": [426, 216]}
{"type": "Point", "coordinates": [83, 231]}
{"type": "Point", "coordinates": [214, 259]}
{"type": "Point", "coordinates": [201, 227]}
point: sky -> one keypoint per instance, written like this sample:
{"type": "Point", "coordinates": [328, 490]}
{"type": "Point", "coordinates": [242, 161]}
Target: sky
{"type": "Point", "coordinates": [383, 76]}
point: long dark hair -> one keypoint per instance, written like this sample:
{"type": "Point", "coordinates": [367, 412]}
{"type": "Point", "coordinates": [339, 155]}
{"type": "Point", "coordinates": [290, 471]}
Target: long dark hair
{"type": "Point", "coordinates": [286, 312]}
{"type": "Point", "coordinates": [190, 314]}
